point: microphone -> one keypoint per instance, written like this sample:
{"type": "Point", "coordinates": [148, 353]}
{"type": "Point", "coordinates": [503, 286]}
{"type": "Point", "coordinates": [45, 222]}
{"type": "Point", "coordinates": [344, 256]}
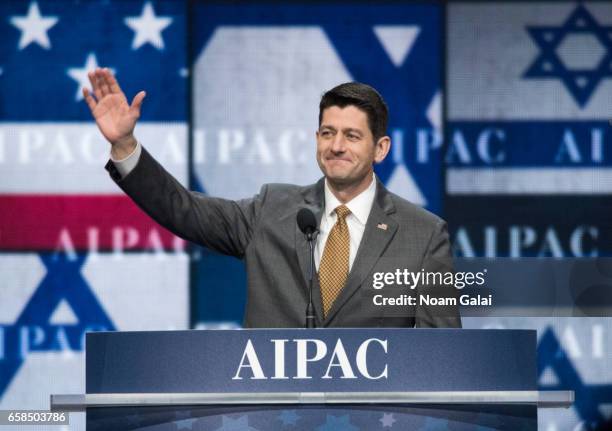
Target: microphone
{"type": "Point", "coordinates": [307, 222]}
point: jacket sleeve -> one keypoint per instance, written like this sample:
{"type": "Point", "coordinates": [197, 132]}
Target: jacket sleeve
{"type": "Point", "coordinates": [438, 259]}
{"type": "Point", "coordinates": [223, 225]}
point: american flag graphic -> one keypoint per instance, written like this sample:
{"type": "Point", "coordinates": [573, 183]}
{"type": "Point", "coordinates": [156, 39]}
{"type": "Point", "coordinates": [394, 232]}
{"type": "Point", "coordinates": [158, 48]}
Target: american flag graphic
{"type": "Point", "coordinates": [76, 254]}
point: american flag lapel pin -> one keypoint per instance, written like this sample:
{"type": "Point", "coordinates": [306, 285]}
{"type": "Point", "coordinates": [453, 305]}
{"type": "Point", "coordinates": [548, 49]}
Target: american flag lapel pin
{"type": "Point", "coordinates": [382, 226]}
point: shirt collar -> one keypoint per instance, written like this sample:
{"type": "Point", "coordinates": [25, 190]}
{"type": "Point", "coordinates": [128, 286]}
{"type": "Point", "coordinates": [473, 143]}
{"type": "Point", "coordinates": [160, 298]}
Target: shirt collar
{"type": "Point", "coordinates": [360, 205]}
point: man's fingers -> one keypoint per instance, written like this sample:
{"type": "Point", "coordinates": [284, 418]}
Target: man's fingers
{"type": "Point", "coordinates": [92, 80]}
{"type": "Point", "coordinates": [104, 84]}
{"type": "Point", "coordinates": [113, 85]}
{"type": "Point", "coordinates": [89, 99]}
{"type": "Point", "coordinates": [97, 84]}
{"type": "Point", "coordinates": [137, 102]}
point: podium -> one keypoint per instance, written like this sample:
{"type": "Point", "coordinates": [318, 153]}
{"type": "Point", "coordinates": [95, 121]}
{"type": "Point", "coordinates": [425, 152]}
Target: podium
{"type": "Point", "coordinates": [321, 379]}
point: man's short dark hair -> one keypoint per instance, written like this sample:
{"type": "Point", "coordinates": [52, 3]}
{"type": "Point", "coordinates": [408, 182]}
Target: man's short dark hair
{"type": "Point", "coordinates": [361, 96]}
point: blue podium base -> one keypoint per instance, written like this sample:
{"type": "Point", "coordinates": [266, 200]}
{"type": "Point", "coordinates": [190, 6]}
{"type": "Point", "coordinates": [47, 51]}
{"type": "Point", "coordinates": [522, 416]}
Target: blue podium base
{"type": "Point", "coordinates": [316, 418]}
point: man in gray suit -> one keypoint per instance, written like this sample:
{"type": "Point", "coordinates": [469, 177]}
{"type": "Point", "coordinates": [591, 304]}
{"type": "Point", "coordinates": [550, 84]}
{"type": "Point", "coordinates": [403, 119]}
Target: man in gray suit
{"type": "Point", "coordinates": [364, 229]}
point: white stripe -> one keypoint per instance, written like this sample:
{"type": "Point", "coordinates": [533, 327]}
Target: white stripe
{"type": "Point", "coordinates": [21, 275]}
{"type": "Point", "coordinates": [158, 283]}
{"type": "Point", "coordinates": [69, 158]}
{"type": "Point", "coordinates": [526, 181]}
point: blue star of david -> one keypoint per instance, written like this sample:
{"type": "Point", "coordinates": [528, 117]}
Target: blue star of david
{"type": "Point", "coordinates": [589, 398]}
{"type": "Point", "coordinates": [580, 83]}
{"type": "Point", "coordinates": [63, 281]}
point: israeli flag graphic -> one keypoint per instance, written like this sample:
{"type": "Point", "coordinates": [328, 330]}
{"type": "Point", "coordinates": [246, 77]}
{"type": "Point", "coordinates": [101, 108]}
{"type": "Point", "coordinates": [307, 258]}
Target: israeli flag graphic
{"type": "Point", "coordinates": [529, 104]}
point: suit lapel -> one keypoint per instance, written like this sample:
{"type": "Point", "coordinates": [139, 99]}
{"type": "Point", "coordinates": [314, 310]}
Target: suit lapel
{"type": "Point", "coordinates": [314, 198]}
{"type": "Point", "coordinates": [373, 243]}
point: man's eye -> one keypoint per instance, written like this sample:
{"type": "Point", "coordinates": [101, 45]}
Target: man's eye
{"type": "Point", "coordinates": [353, 137]}
{"type": "Point", "coordinates": [325, 133]}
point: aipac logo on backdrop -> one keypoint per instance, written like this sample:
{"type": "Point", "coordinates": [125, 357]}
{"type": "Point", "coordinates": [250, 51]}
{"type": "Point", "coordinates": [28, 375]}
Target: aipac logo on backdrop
{"type": "Point", "coordinates": [578, 52]}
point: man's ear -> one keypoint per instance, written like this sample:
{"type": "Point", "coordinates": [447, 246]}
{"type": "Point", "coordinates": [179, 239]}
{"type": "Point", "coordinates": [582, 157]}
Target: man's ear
{"type": "Point", "coordinates": [383, 145]}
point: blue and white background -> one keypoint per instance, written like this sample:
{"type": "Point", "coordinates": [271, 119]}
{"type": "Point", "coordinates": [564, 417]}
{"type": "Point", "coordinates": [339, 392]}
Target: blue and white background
{"type": "Point", "coordinates": [524, 170]}
{"type": "Point", "coordinates": [528, 160]}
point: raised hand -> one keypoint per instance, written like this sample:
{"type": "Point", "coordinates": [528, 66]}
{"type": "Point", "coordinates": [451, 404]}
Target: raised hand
{"type": "Point", "coordinates": [115, 118]}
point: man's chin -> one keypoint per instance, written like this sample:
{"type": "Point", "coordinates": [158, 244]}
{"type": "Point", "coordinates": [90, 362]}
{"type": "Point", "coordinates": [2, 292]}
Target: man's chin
{"type": "Point", "coordinates": [340, 180]}
{"type": "Point", "coordinates": [343, 180]}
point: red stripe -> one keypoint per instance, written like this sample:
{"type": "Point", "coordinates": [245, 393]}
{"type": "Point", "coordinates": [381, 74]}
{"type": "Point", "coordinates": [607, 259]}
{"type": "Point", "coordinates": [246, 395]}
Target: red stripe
{"type": "Point", "coordinates": [86, 222]}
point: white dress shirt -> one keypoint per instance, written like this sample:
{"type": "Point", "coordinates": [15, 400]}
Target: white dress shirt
{"type": "Point", "coordinates": [125, 165]}
{"type": "Point", "coordinates": [360, 207]}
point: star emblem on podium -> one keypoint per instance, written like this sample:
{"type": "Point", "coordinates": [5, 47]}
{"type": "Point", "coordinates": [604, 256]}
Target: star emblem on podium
{"type": "Point", "coordinates": [387, 420]}
{"type": "Point", "coordinates": [578, 53]}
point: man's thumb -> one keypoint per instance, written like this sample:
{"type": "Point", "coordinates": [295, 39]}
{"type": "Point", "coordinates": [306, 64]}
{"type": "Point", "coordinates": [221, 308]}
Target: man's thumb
{"type": "Point", "coordinates": [137, 102]}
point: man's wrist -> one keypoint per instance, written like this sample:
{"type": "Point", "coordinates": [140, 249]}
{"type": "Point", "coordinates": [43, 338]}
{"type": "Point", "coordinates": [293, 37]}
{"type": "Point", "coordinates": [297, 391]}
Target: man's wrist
{"type": "Point", "coordinates": [122, 149]}
{"type": "Point", "coordinates": [127, 164]}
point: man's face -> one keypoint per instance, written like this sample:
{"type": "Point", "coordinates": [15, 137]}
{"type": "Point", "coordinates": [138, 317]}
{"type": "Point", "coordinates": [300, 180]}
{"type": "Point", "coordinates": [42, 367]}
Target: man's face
{"type": "Point", "coordinates": [346, 147]}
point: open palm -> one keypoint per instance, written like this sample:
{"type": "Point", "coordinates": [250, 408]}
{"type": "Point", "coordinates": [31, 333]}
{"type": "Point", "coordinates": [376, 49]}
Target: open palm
{"type": "Point", "coordinates": [115, 118]}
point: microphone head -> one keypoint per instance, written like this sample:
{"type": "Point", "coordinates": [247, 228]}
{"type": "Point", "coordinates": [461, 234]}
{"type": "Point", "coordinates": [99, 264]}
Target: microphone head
{"type": "Point", "coordinates": [307, 222]}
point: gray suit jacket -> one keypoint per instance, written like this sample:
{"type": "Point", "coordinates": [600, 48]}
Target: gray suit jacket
{"type": "Point", "coordinates": [263, 231]}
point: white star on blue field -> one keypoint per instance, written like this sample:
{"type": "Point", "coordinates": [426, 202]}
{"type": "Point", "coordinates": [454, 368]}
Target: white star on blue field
{"type": "Point", "coordinates": [580, 82]}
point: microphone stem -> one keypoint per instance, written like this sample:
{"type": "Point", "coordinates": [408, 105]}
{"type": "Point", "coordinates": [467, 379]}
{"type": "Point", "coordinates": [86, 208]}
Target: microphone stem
{"type": "Point", "coordinates": [310, 316]}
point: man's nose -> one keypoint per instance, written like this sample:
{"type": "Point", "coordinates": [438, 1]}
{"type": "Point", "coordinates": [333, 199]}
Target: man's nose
{"type": "Point", "coordinates": [338, 144]}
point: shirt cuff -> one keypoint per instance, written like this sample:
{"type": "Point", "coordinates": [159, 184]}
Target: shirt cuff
{"type": "Point", "coordinates": [127, 164]}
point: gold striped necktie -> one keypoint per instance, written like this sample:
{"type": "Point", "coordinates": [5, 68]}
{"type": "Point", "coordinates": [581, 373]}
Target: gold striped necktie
{"type": "Point", "coordinates": [334, 267]}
